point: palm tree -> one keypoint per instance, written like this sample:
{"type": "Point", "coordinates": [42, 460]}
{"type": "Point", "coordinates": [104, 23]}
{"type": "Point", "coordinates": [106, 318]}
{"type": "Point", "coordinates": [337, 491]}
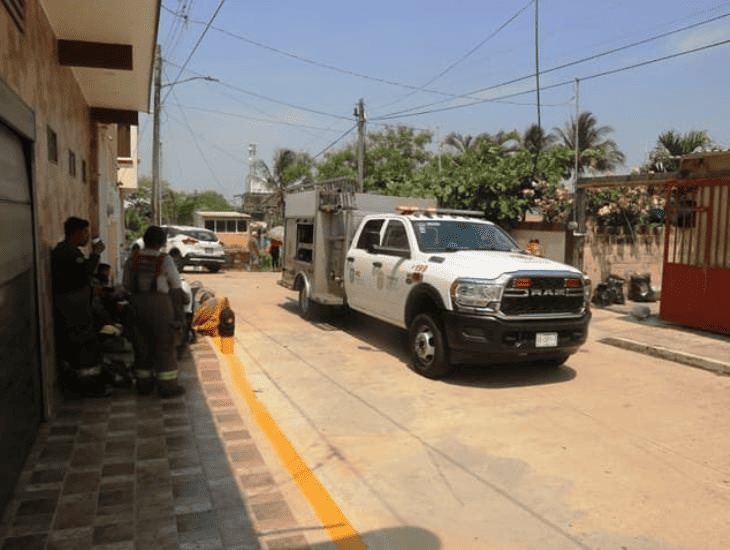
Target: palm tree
{"type": "Point", "coordinates": [460, 143]}
{"type": "Point", "coordinates": [595, 151]}
{"type": "Point", "coordinates": [534, 139]}
{"type": "Point", "coordinates": [287, 166]}
{"type": "Point", "coordinates": [506, 141]}
{"type": "Point", "coordinates": [670, 145]}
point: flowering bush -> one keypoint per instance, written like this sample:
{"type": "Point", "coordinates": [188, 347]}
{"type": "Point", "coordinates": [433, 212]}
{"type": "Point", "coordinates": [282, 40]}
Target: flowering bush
{"type": "Point", "coordinates": [625, 206]}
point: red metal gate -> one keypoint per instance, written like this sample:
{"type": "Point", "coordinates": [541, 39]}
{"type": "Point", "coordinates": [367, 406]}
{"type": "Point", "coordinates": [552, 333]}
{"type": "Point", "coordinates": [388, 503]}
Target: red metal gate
{"type": "Point", "coordinates": [696, 274]}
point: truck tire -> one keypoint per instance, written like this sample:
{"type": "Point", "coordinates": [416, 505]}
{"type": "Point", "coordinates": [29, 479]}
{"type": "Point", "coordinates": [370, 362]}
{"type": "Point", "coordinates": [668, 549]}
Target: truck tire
{"type": "Point", "coordinates": [429, 353]}
{"type": "Point", "coordinates": [213, 268]}
{"type": "Point", "coordinates": [308, 310]}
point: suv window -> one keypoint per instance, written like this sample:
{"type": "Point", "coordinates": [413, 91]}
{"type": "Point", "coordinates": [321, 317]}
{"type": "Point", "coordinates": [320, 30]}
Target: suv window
{"type": "Point", "coordinates": [199, 234]}
{"type": "Point", "coordinates": [370, 234]}
{"type": "Point", "coordinates": [396, 236]}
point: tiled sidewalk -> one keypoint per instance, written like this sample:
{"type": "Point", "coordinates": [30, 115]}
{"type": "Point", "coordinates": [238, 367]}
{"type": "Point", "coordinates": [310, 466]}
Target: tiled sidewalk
{"type": "Point", "coordinates": [141, 472]}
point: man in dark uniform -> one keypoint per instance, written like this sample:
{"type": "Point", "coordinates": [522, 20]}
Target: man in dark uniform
{"type": "Point", "coordinates": [76, 341]}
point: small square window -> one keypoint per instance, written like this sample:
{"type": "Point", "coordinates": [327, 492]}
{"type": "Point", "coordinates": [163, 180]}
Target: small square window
{"type": "Point", "coordinates": [52, 143]}
{"type": "Point", "coordinates": [72, 164]}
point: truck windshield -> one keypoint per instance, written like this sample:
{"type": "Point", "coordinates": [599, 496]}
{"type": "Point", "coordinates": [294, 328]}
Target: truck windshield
{"type": "Point", "coordinates": [455, 235]}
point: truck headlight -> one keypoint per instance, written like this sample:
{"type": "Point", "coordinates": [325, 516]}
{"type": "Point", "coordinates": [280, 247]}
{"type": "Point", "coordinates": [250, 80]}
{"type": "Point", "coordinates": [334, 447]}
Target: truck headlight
{"type": "Point", "coordinates": [587, 289]}
{"type": "Point", "coordinates": [480, 294]}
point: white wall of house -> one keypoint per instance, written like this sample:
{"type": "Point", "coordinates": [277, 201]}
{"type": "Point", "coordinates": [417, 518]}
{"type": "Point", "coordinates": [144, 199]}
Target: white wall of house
{"type": "Point", "coordinates": [110, 204]}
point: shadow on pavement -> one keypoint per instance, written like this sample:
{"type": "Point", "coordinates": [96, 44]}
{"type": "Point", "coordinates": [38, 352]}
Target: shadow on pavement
{"type": "Point", "coordinates": [509, 376]}
{"type": "Point", "coordinates": [377, 335]}
{"type": "Point", "coordinates": [391, 537]}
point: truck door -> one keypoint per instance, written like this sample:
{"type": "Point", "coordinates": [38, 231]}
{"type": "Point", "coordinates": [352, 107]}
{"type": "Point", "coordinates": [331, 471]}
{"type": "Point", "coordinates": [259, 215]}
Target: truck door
{"type": "Point", "coordinates": [360, 270]}
{"type": "Point", "coordinates": [390, 279]}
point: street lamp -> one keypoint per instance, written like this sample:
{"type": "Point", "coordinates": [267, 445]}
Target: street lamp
{"type": "Point", "coordinates": [156, 187]}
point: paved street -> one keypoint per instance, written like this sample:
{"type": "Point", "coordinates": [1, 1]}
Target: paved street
{"type": "Point", "coordinates": [612, 450]}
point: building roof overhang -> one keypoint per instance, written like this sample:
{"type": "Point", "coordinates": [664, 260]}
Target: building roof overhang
{"type": "Point", "coordinates": [110, 47]}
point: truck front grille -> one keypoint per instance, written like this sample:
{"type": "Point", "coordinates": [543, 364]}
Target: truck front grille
{"type": "Point", "coordinates": [546, 295]}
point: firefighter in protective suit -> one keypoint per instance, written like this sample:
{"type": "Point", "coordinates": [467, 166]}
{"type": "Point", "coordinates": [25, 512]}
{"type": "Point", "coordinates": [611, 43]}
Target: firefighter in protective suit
{"type": "Point", "coordinates": [154, 283]}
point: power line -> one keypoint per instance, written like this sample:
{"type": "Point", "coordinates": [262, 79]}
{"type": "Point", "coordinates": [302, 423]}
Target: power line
{"type": "Point", "coordinates": [195, 47]}
{"type": "Point", "coordinates": [414, 88]}
{"type": "Point", "coordinates": [563, 83]}
{"type": "Point", "coordinates": [257, 119]}
{"type": "Point", "coordinates": [195, 141]}
{"type": "Point", "coordinates": [494, 33]}
{"type": "Point", "coordinates": [266, 98]}
{"type": "Point", "coordinates": [468, 95]}
{"type": "Point", "coordinates": [333, 143]}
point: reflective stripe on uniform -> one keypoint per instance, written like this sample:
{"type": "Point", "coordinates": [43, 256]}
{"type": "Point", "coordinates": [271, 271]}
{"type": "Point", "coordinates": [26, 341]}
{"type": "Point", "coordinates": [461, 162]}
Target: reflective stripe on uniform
{"type": "Point", "coordinates": [141, 373]}
{"type": "Point", "coordinates": [91, 371]}
{"type": "Point", "coordinates": [167, 375]}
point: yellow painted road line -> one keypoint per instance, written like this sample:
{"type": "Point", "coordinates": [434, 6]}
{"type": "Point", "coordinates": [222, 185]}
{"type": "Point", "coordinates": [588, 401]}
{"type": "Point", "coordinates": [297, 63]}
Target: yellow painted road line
{"type": "Point", "coordinates": [338, 527]}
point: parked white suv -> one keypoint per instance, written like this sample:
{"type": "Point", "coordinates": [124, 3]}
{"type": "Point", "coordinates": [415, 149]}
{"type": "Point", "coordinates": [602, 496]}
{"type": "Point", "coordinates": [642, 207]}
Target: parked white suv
{"type": "Point", "coordinates": [191, 246]}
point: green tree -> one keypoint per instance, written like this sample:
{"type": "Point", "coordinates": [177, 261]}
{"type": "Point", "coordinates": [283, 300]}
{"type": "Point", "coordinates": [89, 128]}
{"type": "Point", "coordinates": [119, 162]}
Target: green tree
{"type": "Point", "coordinates": [188, 203]}
{"type": "Point", "coordinates": [595, 150]}
{"type": "Point", "coordinates": [671, 145]}
{"type": "Point", "coordinates": [393, 157]}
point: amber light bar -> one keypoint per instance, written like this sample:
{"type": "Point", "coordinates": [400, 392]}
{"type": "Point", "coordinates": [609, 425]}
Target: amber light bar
{"type": "Point", "coordinates": [522, 282]}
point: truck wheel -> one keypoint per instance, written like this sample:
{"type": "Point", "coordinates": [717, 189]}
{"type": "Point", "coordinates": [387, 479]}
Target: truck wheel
{"type": "Point", "coordinates": [307, 308]}
{"type": "Point", "coordinates": [213, 268]}
{"type": "Point", "coordinates": [429, 354]}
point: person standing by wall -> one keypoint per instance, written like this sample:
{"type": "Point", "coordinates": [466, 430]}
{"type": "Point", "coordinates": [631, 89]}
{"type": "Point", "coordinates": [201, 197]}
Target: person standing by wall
{"type": "Point", "coordinates": [274, 250]}
{"type": "Point", "coordinates": [253, 252]}
{"type": "Point", "coordinates": [76, 341]}
{"type": "Point", "coordinates": [151, 277]}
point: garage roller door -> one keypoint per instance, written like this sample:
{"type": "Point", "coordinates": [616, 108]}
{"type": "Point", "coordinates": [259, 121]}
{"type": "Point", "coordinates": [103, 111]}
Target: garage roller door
{"type": "Point", "coordinates": [20, 394]}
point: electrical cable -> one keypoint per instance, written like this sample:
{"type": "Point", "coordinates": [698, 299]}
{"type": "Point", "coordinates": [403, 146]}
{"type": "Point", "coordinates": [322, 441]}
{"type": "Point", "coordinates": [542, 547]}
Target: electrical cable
{"type": "Point", "coordinates": [593, 57]}
{"type": "Point", "coordinates": [462, 58]}
{"type": "Point", "coordinates": [265, 98]}
{"type": "Point", "coordinates": [195, 47]}
{"type": "Point", "coordinates": [332, 144]}
{"type": "Point", "coordinates": [414, 88]}
{"type": "Point", "coordinates": [565, 82]}
{"type": "Point", "coordinates": [257, 119]}
{"type": "Point", "coordinates": [197, 143]}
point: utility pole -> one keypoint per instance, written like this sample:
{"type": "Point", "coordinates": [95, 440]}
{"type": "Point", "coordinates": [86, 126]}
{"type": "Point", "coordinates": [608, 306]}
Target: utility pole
{"type": "Point", "coordinates": [579, 195]}
{"type": "Point", "coordinates": [577, 134]}
{"type": "Point", "coordinates": [360, 114]}
{"type": "Point", "coordinates": [537, 63]}
{"type": "Point", "coordinates": [156, 204]}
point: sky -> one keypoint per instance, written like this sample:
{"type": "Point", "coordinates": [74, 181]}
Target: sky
{"type": "Point", "coordinates": [290, 73]}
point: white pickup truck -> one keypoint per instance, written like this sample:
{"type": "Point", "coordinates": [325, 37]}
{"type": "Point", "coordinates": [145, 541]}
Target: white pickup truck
{"type": "Point", "coordinates": [460, 286]}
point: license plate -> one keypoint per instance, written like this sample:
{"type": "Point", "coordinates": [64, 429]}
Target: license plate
{"type": "Point", "coordinates": [546, 339]}
{"type": "Point", "coordinates": [209, 251]}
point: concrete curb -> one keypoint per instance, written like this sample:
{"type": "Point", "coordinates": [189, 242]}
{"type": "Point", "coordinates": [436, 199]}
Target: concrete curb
{"type": "Point", "coordinates": [706, 363]}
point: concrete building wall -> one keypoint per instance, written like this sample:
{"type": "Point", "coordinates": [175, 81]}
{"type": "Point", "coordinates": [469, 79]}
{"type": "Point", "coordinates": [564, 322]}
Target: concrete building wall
{"type": "Point", "coordinates": [621, 253]}
{"type": "Point", "coordinates": [29, 68]}
{"type": "Point", "coordinates": [552, 241]}
{"type": "Point", "coordinates": [128, 167]}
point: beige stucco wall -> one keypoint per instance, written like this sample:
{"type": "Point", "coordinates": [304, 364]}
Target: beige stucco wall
{"type": "Point", "coordinates": [29, 67]}
{"type": "Point", "coordinates": [552, 242]}
{"type": "Point", "coordinates": [620, 254]}
{"type": "Point", "coordinates": [128, 168]}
